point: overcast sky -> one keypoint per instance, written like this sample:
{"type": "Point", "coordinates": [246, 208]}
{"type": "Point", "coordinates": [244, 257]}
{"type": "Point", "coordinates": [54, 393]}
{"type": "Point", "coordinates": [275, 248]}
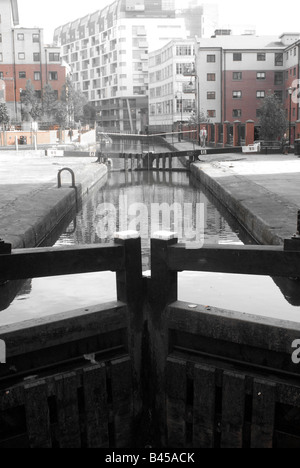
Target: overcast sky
{"type": "Point", "coordinates": [269, 17]}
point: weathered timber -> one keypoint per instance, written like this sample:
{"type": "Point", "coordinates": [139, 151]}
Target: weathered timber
{"type": "Point", "coordinates": [176, 403]}
{"type": "Point", "coordinates": [263, 416]}
{"type": "Point", "coordinates": [130, 290]}
{"type": "Point", "coordinates": [204, 406]}
{"type": "Point", "coordinates": [247, 260]}
{"type": "Point", "coordinates": [67, 409]}
{"type": "Point", "coordinates": [162, 291]}
{"type": "Point", "coordinates": [122, 401]}
{"type": "Point", "coordinates": [233, 406]}
{"type": "Point", "coordinates": [254, 341]}
{"type": "Point", "coordinates": [96, 406]}
{"type": "Point", "coordinates": [44, 262]}
{"type": "Point", "coordinates": [37, 415]}
{"type": "Point", "coordinates": [42, 343]}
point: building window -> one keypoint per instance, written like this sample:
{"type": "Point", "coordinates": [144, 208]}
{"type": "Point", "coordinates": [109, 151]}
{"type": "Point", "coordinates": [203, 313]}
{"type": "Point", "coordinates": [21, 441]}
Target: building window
{"type": "Point", "coordinates": [261, 75]}
{"type": "Point", "coordinates": [237, 94]}
{"type": "Point", "coordinates": [260, 94]}
{"type": "Point", "coordinates": [36, 57]}
{"type": "Point", "coordinates": [180, 67]}
{"type": "Point", "coordinates": [0, 37]}
{"type": "Point", "coordinates": [21, 56]}
{"type": "Point", "coordinates": [35, 38]}
{"type": "Point", "coordinates": [1, 57]}
{"type": "Point", "coordinates": [211, 58]}
{"type": "Point", "coordinates": [20, 37]}
{"type": "Point", "coordinates": [211, 77]}
{"type": "Point", "coordinates": [184, 50]}
{"type": "Point", "coordinates": [237, 57]}
{"type": "Point", "coordinates": [237, 76]}
{"type": "Point", "coordinates": [278, 60]}
{"type": "Point", "coordinates": [22, 74]}
{"type": "Point", "coordinates": [211, 113]}
{"type": "Point", "coordinates": [237, 113]}
{"type": "Point", "coordinates": [261, 57]}
{"type": "Point", "coordinates": [37, 76]}
{"type": "Point", "coordinates": [295, 71]}
{"type": "Point", "coordinates": [278, 78]}
{"type": "Point", "coordinates": [211, 95]}
{"type": "Point", "coordinates": [295, 51]}
{"type": "Point", "coordinates": [53, 76]}
{"type": "Point", "coordinates": [279, 95]}
{"type": "Point", "coordinates": [54, 57]}
{"type": "Point", "coordinates": [1, 75]}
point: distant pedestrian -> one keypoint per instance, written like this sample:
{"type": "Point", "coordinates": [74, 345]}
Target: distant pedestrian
{"type": "Point", "coordinates": [285, 144]}
{"type": "Point", "coordinates": [203, 137]}
{"type": "Point", "coordinates": [70, 134]}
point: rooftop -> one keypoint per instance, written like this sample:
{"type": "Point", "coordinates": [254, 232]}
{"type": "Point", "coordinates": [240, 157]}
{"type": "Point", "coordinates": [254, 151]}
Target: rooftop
{"type": "Point", "coordinates": [242, 42]}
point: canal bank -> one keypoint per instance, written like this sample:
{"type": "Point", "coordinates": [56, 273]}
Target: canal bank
{"type": "Point", "coordinates": [261, 192]}
{"type": "Point", "coordinates": [31, 204]}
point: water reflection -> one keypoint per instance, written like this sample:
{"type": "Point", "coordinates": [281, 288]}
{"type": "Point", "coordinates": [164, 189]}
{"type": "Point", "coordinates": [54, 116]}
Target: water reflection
{"type": "Point", "coordinates": [236, 292]}
{"type": "Point", "coordinates": [129, 202]}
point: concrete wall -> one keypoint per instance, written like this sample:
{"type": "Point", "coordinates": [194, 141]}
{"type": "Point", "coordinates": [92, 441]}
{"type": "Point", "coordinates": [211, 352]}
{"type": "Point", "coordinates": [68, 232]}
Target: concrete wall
{"type": "Point", "coordinates": [47, 137]}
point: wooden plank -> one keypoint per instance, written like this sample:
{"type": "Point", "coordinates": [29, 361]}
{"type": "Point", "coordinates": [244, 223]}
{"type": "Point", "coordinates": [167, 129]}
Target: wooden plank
{"type": "Point", "coordinates": [204, 406]}
{"type": "Point", "coordinates": [67, 408]}
{"type": "Point", "coordinates": [96, 409]}
{"type": "Point", "coordinates": [37, 415]}
{"type": "Point", "coordinates": [233, 409]}
{"type": "Point", "coordinates": [176, 403]}
{"type": "Point", "coordinates": [248, 260]}
{"type": "Point", "coordinates": [44, 262]}
{"type": "Point", "coordinates": [122, 399]}
{"type": "Point", "coordinates": [263, 414]}
{"type": "Point", "coordinates": [45, 332]}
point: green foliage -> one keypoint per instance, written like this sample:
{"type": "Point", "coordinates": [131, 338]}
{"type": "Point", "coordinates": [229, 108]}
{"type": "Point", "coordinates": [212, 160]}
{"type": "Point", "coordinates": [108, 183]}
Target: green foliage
{"type": "Point", "coordinates": [61, 114]}
{"type": "Point", "coordinates": [198, 117]}
{"type": "Point", "coordinates": [272, 120]}
{"type": "Point", "coordinates": [49, 102]}
{"type": "Point", "coordinates": [74, 101]}
{"type": "Point", "coordinates": [4, 116]}
{"type": "Point", "coordinates": [31, 106]}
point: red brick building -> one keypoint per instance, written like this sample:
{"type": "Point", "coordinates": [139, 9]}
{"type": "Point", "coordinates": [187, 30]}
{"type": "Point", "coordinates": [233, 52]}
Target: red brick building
{"type": "Point", "coordinates": [235, 73]}
{"type": "Point", "coordinates": [23, 57]}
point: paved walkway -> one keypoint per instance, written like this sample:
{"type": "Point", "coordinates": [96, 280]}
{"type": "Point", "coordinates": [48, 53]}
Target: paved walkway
{"type": "Point", "coordinates": [260, 190]}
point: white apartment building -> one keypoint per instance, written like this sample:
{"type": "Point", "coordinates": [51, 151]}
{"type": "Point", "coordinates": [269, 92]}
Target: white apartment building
{"type": "Point", "coordinates": [108, 54]}
{"type": "Point", "coordinates": [172, 92]}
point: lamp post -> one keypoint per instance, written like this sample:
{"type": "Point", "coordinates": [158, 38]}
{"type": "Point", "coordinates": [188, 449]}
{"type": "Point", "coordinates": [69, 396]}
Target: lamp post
{"type": "Point", "coordinates": [181, 105]}
{"type": "Point", "coordinates": [21, 91]}
{"type": "Point", "coordinates": [290, 90]}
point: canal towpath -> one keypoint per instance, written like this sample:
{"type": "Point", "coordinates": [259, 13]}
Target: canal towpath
{"type": "Point", "coordinates": [31, 205]}
{"type": "Point", "coordinates": [261, 191]}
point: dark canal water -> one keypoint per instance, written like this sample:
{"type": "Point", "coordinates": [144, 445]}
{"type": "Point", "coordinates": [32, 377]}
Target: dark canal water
{"type": "Point", "coordinates": [130, 201]}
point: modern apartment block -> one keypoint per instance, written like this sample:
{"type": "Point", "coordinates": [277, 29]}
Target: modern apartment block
{"type": "Point", "coordinates": [235, 73]}
{"type": "Point", "coordinates": [108, 54]}
{"type": "Point", "coordinates": [23, 57]}
{"type": "Point", "coordinates": [172, 93]}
